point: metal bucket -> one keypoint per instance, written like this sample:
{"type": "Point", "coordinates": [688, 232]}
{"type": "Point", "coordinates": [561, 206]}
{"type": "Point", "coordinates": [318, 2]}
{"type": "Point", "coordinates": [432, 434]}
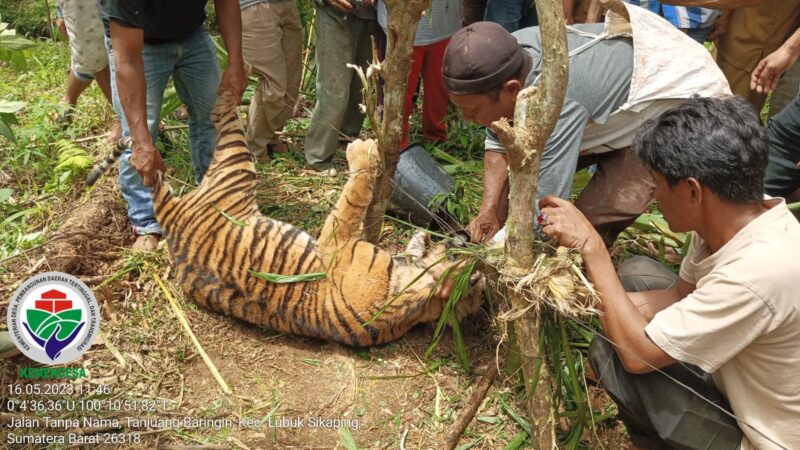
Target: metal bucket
{"type": "Point", "coordinates": [418, 181]}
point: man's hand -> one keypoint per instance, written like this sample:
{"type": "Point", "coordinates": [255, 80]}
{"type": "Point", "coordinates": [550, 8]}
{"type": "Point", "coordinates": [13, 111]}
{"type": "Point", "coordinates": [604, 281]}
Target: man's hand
{"type": "Point", "coordinates": [484, 226]}
{"type": "Point", "coordinates": [341, 5]}
{"type": "Point", "coordinates": [234, 79]}
{"type": "Point", "coordinates": [720, 26]}
{"type": "Point", "coordinates": [562, 221]}
{"type": "Point", "coordinates": [146, 159]}
{"type": "Point", "coordinates": [768, 72]}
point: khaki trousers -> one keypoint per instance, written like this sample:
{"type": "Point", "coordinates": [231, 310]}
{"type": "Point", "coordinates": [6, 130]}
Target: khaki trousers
{"type": "Point", "coordinates": [272, 40]}
{"type": "Point", "coordinates": [341, 39]}
{"type": "Point", "coordinates": [620, 191]}
{"type": "Point", "coordinates": [754, 33]}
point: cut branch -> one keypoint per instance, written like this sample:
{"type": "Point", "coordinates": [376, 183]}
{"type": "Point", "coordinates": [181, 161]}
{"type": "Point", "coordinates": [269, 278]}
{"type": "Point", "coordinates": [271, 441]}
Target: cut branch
{"type": "Point", "coordinates": [535, 117]}
{"type": "Point", "coordinates": [471, 407]}
{"type": "Point", "coordinates": [402, 27]}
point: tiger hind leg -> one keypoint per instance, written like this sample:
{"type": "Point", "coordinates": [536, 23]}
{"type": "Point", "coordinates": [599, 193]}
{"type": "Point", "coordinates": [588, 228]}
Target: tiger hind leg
{"type": "Point", "coordinates": [343, 224]}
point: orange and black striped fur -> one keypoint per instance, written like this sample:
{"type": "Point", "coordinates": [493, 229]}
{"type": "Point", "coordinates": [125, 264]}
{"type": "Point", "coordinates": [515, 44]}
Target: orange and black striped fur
{"type": "Point", "coordinates": [214, 256]}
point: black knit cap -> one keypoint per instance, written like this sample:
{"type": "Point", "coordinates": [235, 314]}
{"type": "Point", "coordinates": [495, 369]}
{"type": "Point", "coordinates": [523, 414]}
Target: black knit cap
{"type": "Point", "coordinates": [480, 57]}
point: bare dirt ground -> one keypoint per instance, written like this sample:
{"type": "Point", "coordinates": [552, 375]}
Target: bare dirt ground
{"type": "Point", "coordinates": [300, 389]}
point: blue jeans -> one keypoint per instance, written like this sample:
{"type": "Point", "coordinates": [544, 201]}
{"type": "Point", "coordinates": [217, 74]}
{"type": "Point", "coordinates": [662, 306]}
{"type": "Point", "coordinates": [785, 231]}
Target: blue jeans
{"type": "Point", "coordinates": [511, 14]}
{"type": "Point", "coordinates": [192, 64]}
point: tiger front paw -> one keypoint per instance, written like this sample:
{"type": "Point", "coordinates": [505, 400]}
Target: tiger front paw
{"type": "Point", "coordinates": [363, 156]}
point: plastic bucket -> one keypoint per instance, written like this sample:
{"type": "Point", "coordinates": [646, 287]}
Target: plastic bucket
{"type": "Point", "coordinates": [418, 181]}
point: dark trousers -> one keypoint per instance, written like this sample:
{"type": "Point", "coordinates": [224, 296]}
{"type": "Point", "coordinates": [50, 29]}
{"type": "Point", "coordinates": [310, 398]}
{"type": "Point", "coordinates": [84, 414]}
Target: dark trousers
{"type": "Point", "coordinates": [658, 412]}
{"type": "Point", "coordinates": [783, 175]}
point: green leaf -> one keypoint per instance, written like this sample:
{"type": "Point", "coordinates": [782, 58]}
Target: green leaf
{"type": "Point", "coordinates": [312, 362]}
{"type": "Point", "coordinates": [518, 441]}
{"type": "Point", "coordinates": [230, 218]}
{"type": "Point", "coordinates": [171, 102]}
{"type": "Point", "coordinates": [30, 237]}
{"type": "Point", "coordinates": [19, 214]}
{"type": "Point", "coordinates": [347, 439]}
{"type": "Point", "coordinates": [5, 130]}
{"type": "Point", "coordinates": [7, 107]}
{"type": "Point", "coordinates": [19, 62]}
{"type": "Point", "coordinates": [489, 419]}
{"type": "Point", "coordinates": [14, 42]}
{"type": "Point", "coordinates": [520, 421]}
{"type": "Point", "coordinates": [281, 279]}
{"type": "Point", "coordinates": [5, 194]}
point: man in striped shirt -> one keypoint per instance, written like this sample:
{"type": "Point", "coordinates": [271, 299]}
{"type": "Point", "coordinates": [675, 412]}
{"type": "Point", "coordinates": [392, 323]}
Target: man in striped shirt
{"type": "Point", "coordinates": [692, 20]}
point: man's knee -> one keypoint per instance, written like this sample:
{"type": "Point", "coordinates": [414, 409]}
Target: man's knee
{"type": "Point", "coordinates": [601, 354]}
{"type": "Point", "coordinates": [641, 273]}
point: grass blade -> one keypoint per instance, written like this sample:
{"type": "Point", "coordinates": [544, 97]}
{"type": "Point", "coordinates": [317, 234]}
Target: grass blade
{"type": "Point", "coordinates": [347, 438]}
{"type": "Point", "coordinates": [232, 219]}
{"type": "Point", "coordinates": [518, 441]}
{"type": "Point", "coordinates": [520, 421]}
{"type": "Point", "coordinates": [284, 279]}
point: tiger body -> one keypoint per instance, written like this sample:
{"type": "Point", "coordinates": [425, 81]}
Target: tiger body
{"type": "Point", "coordinates": [215, 257]}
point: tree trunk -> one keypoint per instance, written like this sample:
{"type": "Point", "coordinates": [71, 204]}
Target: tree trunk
{"type": "Point", "coordinates": [403, 18]}
{"type": "Point", "coordinates": [535, 117]}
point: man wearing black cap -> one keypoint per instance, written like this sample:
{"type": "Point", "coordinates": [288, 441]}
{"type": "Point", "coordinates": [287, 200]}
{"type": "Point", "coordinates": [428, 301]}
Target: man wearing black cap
{"type": "Point", "coordinates": [609, 95]}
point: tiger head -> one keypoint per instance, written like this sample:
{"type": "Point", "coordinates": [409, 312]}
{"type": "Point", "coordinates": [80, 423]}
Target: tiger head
{"type": "Point", "coordinates": [434, 266]}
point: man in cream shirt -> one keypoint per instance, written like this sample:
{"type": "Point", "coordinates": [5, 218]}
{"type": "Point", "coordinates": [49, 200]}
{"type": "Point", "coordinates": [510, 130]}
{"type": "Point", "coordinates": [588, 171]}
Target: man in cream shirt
{"type": "Point", "coordinates": [728, 327]}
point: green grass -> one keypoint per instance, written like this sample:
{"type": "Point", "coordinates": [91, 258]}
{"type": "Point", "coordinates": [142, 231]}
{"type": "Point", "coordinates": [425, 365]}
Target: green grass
{"type": "Point", "coordinates": [38, 171]}
{"type": "Point", "coordinates": [29, 17]}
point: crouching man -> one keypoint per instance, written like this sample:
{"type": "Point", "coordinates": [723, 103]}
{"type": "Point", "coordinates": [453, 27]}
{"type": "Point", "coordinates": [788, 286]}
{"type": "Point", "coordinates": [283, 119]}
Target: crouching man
{"type": "Point", "coordinates": [709, 358]}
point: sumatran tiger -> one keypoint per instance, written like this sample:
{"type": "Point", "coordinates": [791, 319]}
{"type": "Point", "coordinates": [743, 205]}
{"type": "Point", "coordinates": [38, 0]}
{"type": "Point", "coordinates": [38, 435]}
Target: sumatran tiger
{"type": "Point", "coordinates": [219, 239]}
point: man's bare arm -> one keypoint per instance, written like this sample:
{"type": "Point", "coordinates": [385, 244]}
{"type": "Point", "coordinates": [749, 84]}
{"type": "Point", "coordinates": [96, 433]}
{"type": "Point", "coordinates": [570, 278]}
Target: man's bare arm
{"type": "Point", "coordinates": [495, 180]}
{"type": "Point", "coordinates": [651, 302]}
{"type": "Point", "coordinates": [622, 321]}
{"type": "Point", "coordinates": [715, 4]}
{"type": "Point", "coordinates": [127, 43]}
{"type": "Point", "coordinates": [230, 27]}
